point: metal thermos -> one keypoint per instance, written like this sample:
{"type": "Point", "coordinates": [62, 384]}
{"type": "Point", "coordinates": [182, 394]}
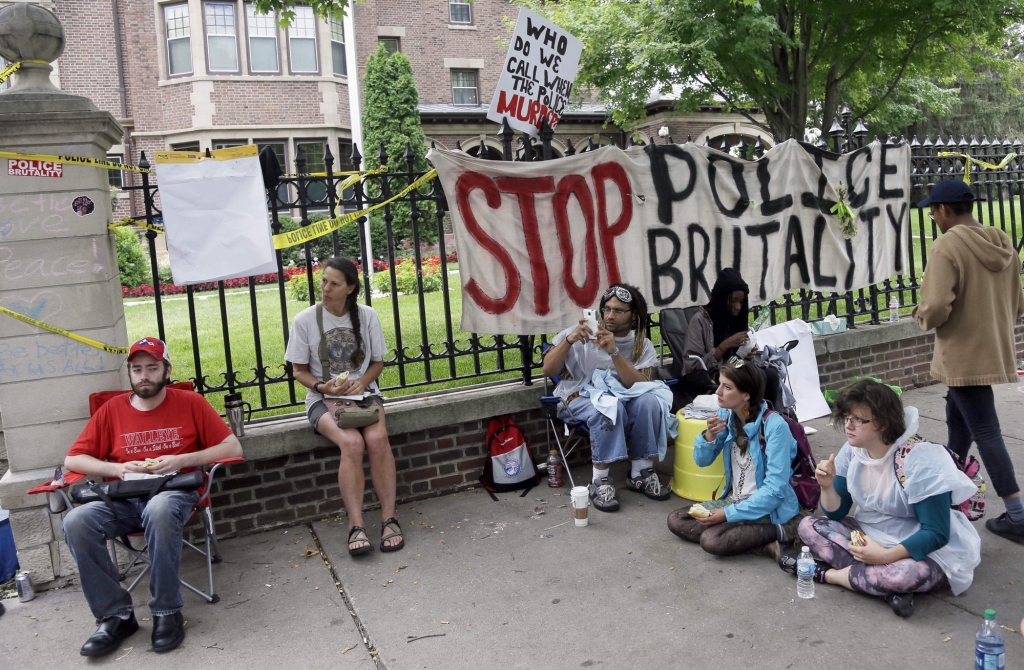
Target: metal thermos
{"type": "Point", "coordinates": [26, 589]}
{"type": "Point", "coordinates": [233, 407]}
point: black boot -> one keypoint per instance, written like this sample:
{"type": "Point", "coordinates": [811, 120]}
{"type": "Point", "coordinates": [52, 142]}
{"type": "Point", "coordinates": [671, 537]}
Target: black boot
{"type": "Point", "coordinates": [168, 631]}
{"type": "Point", "coordinates": [109, 635]}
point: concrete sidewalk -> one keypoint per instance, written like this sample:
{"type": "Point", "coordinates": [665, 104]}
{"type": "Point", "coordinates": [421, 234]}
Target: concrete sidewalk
{"type": "Point", "coordinates": [510, 588]}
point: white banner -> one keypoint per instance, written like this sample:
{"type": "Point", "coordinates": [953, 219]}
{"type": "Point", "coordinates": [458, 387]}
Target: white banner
{"type": "Point", "coordinates": [539, 72]}
{"type": "Point", "coordinates": [538, 242]}
{"type": "Point", "coordinates": [215, 217]}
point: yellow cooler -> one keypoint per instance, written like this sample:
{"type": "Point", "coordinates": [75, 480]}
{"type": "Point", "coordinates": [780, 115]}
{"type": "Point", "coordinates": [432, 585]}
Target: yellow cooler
{"type": "Point", "coordinates": [689, 481]}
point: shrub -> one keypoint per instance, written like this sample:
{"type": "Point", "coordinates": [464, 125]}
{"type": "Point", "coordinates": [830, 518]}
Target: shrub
{"type": "Point", "coordinates": [131, 259]}
{"type": "Point", "coordinates": [405, 277]}
{"type": "Point", "coordinates": [146, 290]}
{"type": "Point", "coordinates": [298, 286]}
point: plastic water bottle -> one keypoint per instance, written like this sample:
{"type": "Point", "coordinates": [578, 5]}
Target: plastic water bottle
{"type": "Point", "coordinates": [554, 464]}
{"type": "Point", "coordinates": [894, 310]}
{"type": "Point", "coordinates": [988, 644]}
{"type": "Point", "coordinates": [805, 574]}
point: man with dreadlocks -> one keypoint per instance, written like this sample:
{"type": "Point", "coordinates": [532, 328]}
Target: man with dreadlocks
{"type": "Point", "coordinates": [607, 384]}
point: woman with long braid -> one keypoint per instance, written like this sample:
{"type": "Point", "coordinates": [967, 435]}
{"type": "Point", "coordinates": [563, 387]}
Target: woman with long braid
{"type": "Point", "coordinates": [606, 383]}
{"type": "Point", "coordinates": [349, 337]}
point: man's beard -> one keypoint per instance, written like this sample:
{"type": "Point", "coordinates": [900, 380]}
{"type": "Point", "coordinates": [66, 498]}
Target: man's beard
{"type": "Point", "coordinates": [146, 392]}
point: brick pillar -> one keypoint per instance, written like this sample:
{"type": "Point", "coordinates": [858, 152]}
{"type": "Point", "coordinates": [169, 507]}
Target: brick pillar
{"type": "Point", "coordinates": [58, 266]}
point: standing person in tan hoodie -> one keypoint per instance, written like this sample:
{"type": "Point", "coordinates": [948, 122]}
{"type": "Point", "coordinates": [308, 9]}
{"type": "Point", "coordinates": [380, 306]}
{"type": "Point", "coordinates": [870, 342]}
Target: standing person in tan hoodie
{"type": "Point", "coordinates": [971, 295]}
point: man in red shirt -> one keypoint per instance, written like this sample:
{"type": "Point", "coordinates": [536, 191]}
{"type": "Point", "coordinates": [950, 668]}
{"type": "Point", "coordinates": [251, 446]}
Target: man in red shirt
{"type": "Point", "coordinates": [153, 430]}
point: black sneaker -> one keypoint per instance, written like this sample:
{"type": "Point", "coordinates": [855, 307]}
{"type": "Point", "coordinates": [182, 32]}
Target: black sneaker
{"type": "Point", "coordinates": [649, 484]}
{"type": "Point", "coordinates": [902, 604]}
{"type": "Point", "coordinates": [602, 495]}
{"type": "Point", "coordinates": [1004, 527]}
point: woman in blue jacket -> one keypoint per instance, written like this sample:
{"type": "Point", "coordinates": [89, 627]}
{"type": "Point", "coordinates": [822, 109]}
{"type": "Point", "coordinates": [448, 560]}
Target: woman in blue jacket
{"type": "Point", "coordinates": [757, 509]}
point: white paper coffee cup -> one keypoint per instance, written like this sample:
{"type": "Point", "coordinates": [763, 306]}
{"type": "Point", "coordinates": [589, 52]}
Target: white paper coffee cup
{"type": "Point", "coordinates": [580, 504]}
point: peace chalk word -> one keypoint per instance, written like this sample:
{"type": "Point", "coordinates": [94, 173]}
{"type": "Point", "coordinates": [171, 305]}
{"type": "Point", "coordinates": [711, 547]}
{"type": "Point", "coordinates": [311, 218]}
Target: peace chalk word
{"type": "Point", "coordinates": [538, 246]}
{"type": "Point", "coordinates": [537, 80]}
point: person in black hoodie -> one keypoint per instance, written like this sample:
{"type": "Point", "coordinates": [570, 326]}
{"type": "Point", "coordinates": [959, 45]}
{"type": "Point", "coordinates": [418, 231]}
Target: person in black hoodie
{"type": "Point", "coordinates": [719, 328]}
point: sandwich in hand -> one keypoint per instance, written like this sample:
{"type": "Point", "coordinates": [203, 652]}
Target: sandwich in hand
{"type": "Point", "coordinates": [698, 511]}
{"type": "Point", "coordinates": [341, 379]}
{"type": "Point", "coordinates": [150, 462]}
{"type": "Point", "coordinates": [858, 539]}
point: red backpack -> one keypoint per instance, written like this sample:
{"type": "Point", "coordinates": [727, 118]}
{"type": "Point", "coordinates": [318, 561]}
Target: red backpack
{"type": "Point", "coordinates": [806, 487]}
{"type": "Point", "coordinates": [509, 466]}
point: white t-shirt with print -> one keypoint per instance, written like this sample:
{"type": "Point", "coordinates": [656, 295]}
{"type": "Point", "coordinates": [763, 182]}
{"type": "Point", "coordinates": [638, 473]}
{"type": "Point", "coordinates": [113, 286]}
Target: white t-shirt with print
{"type": "Point", "coordinates": [304, 345]}
{"type": "Point", "coordinates": [585, 358]}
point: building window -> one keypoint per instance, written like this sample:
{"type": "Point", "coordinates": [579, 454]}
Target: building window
{"type": "Point", "coordinates": [302, 40]}
{"type": "Point", "coordinates": [338, 46]}
{"type": "Point", "coordinates": [278, 148]}
{"type": "Point", "coordinates": [227, 144]}
{"type": "Point", "coordinates": [115, 177]}
{"type": "Point", "coordinates": [220, 37]}
{"type": "Point", "coordinates": [186, 146]}
{"type": "Point", "coordinates": [316, 191]}
{"type": "Point", "coordinates": [459, 12]}
{"type": "Point", "coordinates": [179, 42]}
{"type": "Point", "coordinates": [391, 44]}
{"type": "Point", "coordinates": [464, 87]}
{"type": "Point", "coordinates": [262, 29]}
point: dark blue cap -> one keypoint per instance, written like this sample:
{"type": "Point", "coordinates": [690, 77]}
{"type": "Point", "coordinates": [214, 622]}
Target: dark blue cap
{"type": "Point", "coordinates": [951, 190]}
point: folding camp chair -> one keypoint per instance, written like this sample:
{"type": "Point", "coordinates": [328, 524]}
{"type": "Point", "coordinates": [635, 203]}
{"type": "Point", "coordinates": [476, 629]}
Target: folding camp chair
{"type": "Point", "coordinates": [59, 500]}
{"type": "Point", "coordinates": [575, 431]}
{"type": "Point", "coordinates": [673, 323]}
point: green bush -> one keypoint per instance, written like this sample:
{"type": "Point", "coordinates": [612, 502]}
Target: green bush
{"type": "Point", "coordinates": [165, 274]}
{"type": "Point", "coordinates": [298, 286]}
{"type": "Point", "coordinates": [405, 277]}
{"type": "Point", "coordinates": [131, 259]}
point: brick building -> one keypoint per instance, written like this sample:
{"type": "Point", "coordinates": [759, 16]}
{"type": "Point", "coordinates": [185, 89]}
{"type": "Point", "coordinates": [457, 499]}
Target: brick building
{"type": "Point", "coordinates": [199, 74]}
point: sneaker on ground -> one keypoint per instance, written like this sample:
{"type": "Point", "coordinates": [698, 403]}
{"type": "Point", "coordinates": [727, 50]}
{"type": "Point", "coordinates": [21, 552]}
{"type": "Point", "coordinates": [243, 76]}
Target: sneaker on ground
{"type": "Point", "coordinates": [1004, 527]}
{"type": "Point", "coordinates": [902, 604]}
{"type": "Point", "coordinates": [649, 484]}
{"type": "Point", "coordinates": [602, 494]}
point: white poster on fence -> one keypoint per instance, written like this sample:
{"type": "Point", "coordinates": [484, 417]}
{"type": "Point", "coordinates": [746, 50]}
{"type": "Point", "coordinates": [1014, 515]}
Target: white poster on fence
{"type": "Point", "coordinates": [215, 215]}
{"type": "Point", "coordinates": [538, 76]}
{"type": "Point", "coordinates": [803, 370]}
{"type": "Point", "coordinates": [538, 242]}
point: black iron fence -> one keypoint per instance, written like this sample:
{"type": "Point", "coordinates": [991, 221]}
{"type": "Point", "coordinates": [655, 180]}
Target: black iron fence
{"type": "Point", "coordinates": [236, 335]}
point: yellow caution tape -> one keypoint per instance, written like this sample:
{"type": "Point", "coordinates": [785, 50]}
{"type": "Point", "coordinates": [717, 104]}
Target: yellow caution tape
{"type": "Point", "coordinates": [968, 160]}
{"type": "Point", "coordinates": [66, 333]}
{"type": "Point", "coordinates": [226, 154]}
{"type": "Point", "coordinates": [328, 226]}
{"type": "Point", "coordinates": [14, 67]}
{"type": "Point", "coordinates": [128, 221]}
{"type": "Point", "coordinates": [76, 160]}
{"type": "Point", "coordinates": [380, 170]}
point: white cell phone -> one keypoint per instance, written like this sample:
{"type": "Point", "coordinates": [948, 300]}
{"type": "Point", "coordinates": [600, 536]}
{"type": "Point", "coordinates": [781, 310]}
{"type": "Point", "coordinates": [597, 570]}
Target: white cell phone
{"type": "Point", "coordinates": [590, 319]}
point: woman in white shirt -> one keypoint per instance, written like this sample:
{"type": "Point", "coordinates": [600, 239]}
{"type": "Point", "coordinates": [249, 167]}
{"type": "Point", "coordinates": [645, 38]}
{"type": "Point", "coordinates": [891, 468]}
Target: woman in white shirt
{"type": "Point", "coordinates": [353, 344]}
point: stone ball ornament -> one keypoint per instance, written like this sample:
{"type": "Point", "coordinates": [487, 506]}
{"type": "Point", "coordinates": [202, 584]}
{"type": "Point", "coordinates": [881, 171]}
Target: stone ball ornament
{"type": "Point", "coordinates": [30, 32]}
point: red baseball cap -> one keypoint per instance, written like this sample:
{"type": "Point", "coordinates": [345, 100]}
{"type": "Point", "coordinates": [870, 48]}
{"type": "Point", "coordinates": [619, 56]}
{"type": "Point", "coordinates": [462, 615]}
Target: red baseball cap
{"type": "Point", "coordinates": [152, 346]}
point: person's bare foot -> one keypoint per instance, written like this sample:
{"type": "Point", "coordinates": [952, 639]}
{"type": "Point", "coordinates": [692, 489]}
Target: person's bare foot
{"type": "Point", "coordinates": [391, 535]}
{"type": "Point", "coordinates": [358, 543]}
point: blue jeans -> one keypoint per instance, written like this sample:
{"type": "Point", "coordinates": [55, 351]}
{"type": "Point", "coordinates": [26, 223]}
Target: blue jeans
{"type": "Point", "coordinates": [87, 529]}
{"type": "Point", "coordinates": [634, 435]}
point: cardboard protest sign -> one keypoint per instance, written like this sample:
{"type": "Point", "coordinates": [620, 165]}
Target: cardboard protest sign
{"type": "Point", "coordinates": [538, 76]}
{"type": "Point", "coordinates": [539, 241]}
{"type": "Point", "coordinates": [215, 215]}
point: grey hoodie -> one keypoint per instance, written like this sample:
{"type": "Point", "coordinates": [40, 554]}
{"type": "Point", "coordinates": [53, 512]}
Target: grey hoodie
{"type": "Point", "coordinates": [971, 295]}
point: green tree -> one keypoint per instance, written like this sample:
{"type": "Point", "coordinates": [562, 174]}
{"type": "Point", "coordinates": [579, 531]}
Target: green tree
{"type": "Point", "coordinates": [390, 118]}
{"type": "Point", "coordinates": [784, 57]}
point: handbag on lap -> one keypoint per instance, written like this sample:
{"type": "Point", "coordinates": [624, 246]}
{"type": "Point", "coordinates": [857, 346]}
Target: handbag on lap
{"type": "Point", "coordinates": [347, 412]}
